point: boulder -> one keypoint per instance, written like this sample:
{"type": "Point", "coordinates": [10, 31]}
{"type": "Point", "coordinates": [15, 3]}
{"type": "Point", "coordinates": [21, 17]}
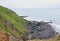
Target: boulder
{"type": "Point", "coordinates": [41, 30]}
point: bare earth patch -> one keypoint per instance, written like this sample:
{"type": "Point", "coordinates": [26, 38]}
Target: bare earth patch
{"type": "Point", "coordinates": [4, 36]}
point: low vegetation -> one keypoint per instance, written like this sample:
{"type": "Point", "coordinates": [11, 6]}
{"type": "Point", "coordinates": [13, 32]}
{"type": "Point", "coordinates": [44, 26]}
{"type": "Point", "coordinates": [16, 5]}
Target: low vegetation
{"type": "Point", "coordinates": [14, 27]}
{"type": "Point", "coordinates": [12, 23]}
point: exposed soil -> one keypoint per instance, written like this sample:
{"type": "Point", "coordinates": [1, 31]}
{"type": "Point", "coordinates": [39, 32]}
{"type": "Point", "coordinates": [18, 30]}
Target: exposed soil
{"type": "Point", "coordinates": [4, 36]}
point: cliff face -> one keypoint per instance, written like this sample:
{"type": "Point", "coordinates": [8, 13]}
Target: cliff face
{"type": "Point", "coordinates": [13, 24]}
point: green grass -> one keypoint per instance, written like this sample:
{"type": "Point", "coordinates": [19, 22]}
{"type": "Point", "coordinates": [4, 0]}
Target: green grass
{"type": "Point", "coordinates": [16, 20]}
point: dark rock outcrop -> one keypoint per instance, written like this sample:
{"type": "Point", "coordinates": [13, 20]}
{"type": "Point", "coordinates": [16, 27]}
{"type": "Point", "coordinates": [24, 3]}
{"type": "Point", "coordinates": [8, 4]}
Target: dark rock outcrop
{"type": "Point", "coordinates": [41, 30]}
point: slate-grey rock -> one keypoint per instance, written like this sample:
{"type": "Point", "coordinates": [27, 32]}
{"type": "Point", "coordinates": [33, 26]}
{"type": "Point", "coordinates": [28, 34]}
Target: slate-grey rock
{"type": "Point", "coordinates": [41, 30]}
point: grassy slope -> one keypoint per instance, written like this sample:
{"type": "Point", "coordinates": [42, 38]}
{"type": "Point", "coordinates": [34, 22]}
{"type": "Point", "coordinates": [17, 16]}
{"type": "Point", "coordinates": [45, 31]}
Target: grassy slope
{"type": "Point", "coordinates": [17, 21]}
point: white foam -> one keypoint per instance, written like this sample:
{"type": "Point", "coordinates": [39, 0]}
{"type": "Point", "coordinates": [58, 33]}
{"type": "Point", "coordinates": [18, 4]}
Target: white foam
{"type": "Point", "coordinates": [35, 19]}
{"type": "Point", "coordinates": [56, 27]}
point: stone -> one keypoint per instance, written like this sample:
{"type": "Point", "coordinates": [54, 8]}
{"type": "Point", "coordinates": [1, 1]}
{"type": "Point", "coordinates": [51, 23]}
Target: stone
{"type": "Point", "coordinates": [41, 30]}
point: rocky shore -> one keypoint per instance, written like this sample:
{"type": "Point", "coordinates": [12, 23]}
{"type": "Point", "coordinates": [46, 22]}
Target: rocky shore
{"type": "Point", "coordinates": [40, 30]}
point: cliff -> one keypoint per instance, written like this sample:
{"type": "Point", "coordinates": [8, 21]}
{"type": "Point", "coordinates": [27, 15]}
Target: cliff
{"type": "Point", "coordinates": [13, 24]}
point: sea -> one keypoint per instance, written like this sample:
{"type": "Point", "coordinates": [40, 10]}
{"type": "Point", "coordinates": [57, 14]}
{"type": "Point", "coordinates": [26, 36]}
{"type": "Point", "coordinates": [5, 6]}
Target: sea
{"type": "Point", "coordinates": [41, 14]}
